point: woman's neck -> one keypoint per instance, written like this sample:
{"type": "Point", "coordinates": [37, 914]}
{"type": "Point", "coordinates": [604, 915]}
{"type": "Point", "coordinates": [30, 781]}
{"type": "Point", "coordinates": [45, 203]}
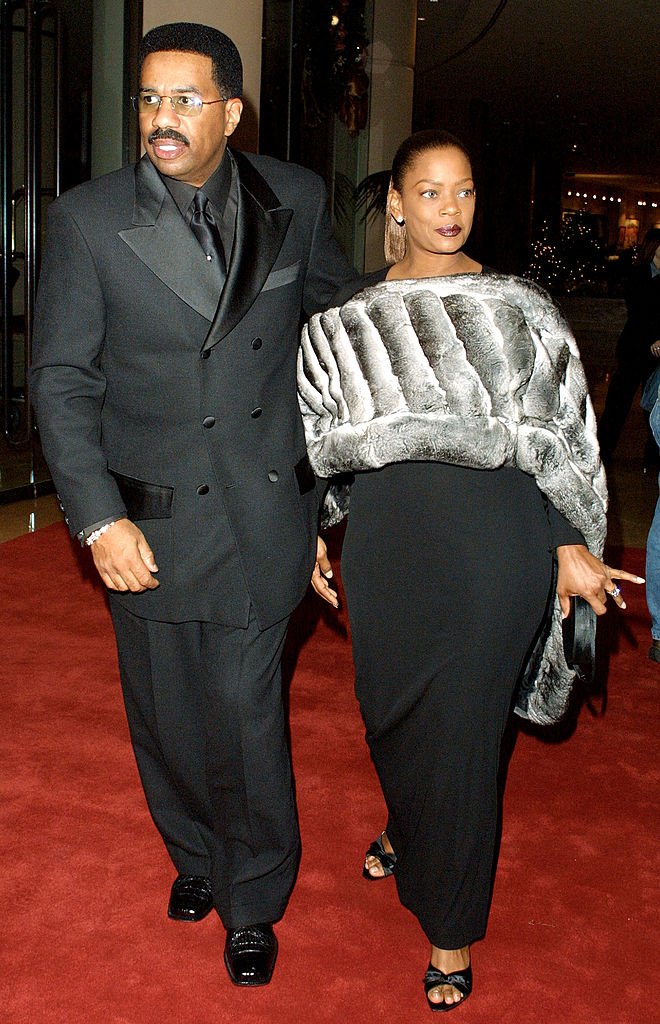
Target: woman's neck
{"type": "Point", "coordinates": [433, 265]}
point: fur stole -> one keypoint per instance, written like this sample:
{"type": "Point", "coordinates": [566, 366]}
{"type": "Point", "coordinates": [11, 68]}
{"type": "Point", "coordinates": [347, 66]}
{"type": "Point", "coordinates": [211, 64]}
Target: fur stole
{"type": "Point", "coordinates": [479, 370]}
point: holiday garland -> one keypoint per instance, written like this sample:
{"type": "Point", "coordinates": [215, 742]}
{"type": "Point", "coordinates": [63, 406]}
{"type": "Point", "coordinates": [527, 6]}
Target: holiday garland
{"type": "Point", "coordinates": [334, 78]}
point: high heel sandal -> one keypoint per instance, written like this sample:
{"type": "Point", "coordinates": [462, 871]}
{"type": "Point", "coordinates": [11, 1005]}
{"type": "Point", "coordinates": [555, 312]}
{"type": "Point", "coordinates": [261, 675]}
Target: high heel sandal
{"type": "Point", "coordinates": [385, 859]}
{"type": "Point", "coordinates": [460, 980]}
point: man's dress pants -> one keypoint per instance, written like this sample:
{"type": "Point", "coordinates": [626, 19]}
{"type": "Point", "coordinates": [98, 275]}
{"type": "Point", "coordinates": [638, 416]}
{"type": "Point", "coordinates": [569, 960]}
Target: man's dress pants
{"type": "Point", "coordinates": [205, 712]}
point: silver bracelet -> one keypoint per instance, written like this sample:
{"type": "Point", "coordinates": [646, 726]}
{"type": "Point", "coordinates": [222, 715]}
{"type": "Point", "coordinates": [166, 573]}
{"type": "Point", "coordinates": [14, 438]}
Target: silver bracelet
{"type": "Point", "coordinates": [95, 534]}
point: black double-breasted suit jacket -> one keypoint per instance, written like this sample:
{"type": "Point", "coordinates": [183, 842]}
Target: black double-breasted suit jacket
{"type": "Point", "coordinates": [141, 378]}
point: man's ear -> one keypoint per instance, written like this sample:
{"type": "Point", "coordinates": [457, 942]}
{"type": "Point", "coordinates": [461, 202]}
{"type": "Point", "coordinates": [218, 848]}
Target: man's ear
{"type": "Point", "coordinates": [233, 111]}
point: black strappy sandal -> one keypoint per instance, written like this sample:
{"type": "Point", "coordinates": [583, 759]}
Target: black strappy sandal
{"type": "Point", "coordinates": [385, 859]}
{"type": "Point", "coordinates": [460, 980]}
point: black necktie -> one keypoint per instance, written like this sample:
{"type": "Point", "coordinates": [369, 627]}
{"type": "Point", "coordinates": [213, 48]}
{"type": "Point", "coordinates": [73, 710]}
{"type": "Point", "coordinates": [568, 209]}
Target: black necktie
{"type": "Point", "coordinates": [206, 231]}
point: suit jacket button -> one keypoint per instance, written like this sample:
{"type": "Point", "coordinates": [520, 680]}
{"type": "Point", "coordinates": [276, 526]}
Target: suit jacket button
{"type": "Point", "coordinates": [257, 343]}
{"type": "Point", "coordinates": [256, 413]}
{"type": "Point", "coordinates": [273, 476]}
{"type": "Point", "coordinates": [203, 489]}
{"type": "Point", "coordinates": [208, 422]}
{"type": "Point", "coordinates": [206, 353]}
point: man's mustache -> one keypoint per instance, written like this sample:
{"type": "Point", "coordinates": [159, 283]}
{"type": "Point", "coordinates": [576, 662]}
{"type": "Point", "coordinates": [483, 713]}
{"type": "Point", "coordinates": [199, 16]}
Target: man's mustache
{"type": "Point", "coordinates": [167, 133]}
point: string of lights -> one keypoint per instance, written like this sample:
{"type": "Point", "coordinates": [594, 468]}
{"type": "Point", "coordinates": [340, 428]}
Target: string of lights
{"type": "Point", "coordinates": [573, 262]}
{"type": "Point", "coordinates": [585, 195]}
{"type": "Point", "coordinates": [611, 199]}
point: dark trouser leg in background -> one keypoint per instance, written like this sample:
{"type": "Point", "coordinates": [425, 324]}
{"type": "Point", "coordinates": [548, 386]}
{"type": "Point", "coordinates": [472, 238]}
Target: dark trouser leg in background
{"type": "Point", "coordinates": [620, 394]}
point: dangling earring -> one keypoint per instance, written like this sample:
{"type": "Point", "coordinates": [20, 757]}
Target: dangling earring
{"type": "Point", "coordinates": [400, 221]}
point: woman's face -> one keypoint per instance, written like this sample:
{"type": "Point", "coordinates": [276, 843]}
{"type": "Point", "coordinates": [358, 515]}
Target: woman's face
{"type": "Point", "coordinates": [436, 202]}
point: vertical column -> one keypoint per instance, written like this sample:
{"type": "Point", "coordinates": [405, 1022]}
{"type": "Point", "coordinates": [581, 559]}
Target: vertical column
{"type": "Point", "coordinates": [391, 98]}
{"type": "Point", "coordinates": [107, 87]}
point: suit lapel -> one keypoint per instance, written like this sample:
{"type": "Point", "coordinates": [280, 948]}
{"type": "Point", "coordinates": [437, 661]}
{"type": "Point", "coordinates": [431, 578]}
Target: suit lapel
{"type": "Point", "coordinates": [162, 240]}
{"type": "Point", "coordinates": [261, 226]}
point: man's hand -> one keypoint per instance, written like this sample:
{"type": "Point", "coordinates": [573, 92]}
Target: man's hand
{"type": "Point", "coordinates": [124, 559]}
{"type": "Point", "coordinates": [322, 573]}
{"type": "Point", "coordinates": [581, 574]}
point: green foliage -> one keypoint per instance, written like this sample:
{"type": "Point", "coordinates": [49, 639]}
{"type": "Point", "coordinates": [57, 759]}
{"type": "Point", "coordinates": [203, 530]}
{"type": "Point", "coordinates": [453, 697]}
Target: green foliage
{"type": "Point", "coordinates": [371, 195]}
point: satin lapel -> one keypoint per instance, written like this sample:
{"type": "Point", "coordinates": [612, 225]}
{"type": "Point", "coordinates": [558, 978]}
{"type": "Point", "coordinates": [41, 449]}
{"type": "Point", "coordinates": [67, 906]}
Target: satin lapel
{"type": "Point", "coordinates": [165, 244]}
{"type": "Point", "coordinates": [261, 226]}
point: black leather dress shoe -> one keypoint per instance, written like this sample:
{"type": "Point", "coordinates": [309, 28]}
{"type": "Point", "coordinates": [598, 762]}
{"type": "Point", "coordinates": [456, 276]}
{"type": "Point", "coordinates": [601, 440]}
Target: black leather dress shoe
{"type": "Point", "coordinates": [191, 898]}
{"type": "Point", "coordinates": [250, 954]}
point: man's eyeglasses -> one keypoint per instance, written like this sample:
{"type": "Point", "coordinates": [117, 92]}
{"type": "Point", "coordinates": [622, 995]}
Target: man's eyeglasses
{"type": "Point", "coordinates": [185, 105]}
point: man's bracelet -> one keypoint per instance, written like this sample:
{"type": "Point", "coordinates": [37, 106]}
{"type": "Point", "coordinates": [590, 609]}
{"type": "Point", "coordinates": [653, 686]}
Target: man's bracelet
{"type": "Point", "coordinates": [95, 534]}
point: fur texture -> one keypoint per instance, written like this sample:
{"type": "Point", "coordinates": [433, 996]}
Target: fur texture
{"type": "Point", "coordinates": [475, 370]}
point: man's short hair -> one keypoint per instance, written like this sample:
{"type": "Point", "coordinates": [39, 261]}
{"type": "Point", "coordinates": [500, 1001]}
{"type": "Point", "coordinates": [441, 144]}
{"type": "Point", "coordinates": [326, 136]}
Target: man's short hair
{"type": "Point", "coordinates": [188, 37]}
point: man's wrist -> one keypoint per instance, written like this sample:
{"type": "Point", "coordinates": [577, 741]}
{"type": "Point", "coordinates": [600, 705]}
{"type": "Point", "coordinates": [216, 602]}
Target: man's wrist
{"type": "Point", "coordinates": [95, 534]}
{"type": "Point", "coordinates": [93, 530]}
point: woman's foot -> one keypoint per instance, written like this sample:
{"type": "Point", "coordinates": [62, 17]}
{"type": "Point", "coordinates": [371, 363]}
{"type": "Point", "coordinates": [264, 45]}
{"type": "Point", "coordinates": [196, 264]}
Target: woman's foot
{"type": "Point", "coordinates": [452, 964]}
{"type": "Point", "coordinates": [379, 859]}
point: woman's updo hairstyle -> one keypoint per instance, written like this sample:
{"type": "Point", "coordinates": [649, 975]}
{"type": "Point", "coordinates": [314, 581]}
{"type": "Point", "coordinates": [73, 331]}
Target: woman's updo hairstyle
{"type": "Point", "coordinates": [406, 154]}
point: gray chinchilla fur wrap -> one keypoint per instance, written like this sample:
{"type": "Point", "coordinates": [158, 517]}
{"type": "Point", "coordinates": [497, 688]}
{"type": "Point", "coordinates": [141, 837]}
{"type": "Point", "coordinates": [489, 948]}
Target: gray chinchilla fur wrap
{"type": "Point", "coordinates": [478, 370]}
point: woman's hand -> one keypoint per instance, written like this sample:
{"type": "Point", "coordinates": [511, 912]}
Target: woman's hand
{"type": "Point", "coordinates": [655, 349]}
{"type": "Point", "coordinates": [581, 574]}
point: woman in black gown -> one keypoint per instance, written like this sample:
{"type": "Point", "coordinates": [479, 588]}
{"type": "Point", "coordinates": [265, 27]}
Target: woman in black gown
{"type": "Point", "coordinates": [447, 572]}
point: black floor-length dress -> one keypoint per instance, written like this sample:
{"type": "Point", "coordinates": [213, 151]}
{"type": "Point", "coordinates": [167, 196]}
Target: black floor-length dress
{"type": "Point", "coordinates": [448, 573]}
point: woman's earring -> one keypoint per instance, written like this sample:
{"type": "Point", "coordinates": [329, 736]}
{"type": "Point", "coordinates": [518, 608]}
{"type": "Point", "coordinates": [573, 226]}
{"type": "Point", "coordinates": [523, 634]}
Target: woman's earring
{"type": "Point", "coordinates": [400, 221]}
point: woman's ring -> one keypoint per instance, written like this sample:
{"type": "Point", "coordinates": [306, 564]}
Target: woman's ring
{"type": "Point", "coordinates": [615, 592]}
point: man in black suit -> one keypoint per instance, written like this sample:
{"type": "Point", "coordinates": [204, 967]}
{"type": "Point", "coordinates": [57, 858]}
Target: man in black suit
{"type": "Point", "coordinates": [164, 385]}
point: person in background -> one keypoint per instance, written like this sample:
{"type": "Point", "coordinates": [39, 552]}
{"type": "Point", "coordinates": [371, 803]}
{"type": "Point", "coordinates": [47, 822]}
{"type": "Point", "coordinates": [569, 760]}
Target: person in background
{"type": "Point", "coordinates": [637, 350]}
{"type": "Point", "coordinates": [653, 552]}
{"type": "Point", "coordinates": [164, 383]}
{"type": "Point", "coordinates": [428, 388]}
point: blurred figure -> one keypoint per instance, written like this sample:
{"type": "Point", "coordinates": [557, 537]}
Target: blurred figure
{"type": "Point", "coordinates": [653, 555]}
{"type": "Point", "coordinates": [637, 350]}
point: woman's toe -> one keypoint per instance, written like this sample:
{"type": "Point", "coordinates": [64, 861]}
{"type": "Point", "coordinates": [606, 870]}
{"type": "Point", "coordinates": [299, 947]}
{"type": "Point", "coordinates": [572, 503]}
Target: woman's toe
{"type": "Point", "coordinates": [445, 994]}
{"type": "Point", "coordinates": [374, 867]}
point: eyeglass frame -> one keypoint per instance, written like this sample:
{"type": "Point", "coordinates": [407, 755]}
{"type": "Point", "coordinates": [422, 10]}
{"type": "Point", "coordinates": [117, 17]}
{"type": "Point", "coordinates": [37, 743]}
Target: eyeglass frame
{"type": "Point", "coordinates": [196, 106]}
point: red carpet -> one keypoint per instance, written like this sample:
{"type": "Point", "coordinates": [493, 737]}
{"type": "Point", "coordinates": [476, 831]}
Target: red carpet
{"type": "Point", "coordinates": [572, 936]}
